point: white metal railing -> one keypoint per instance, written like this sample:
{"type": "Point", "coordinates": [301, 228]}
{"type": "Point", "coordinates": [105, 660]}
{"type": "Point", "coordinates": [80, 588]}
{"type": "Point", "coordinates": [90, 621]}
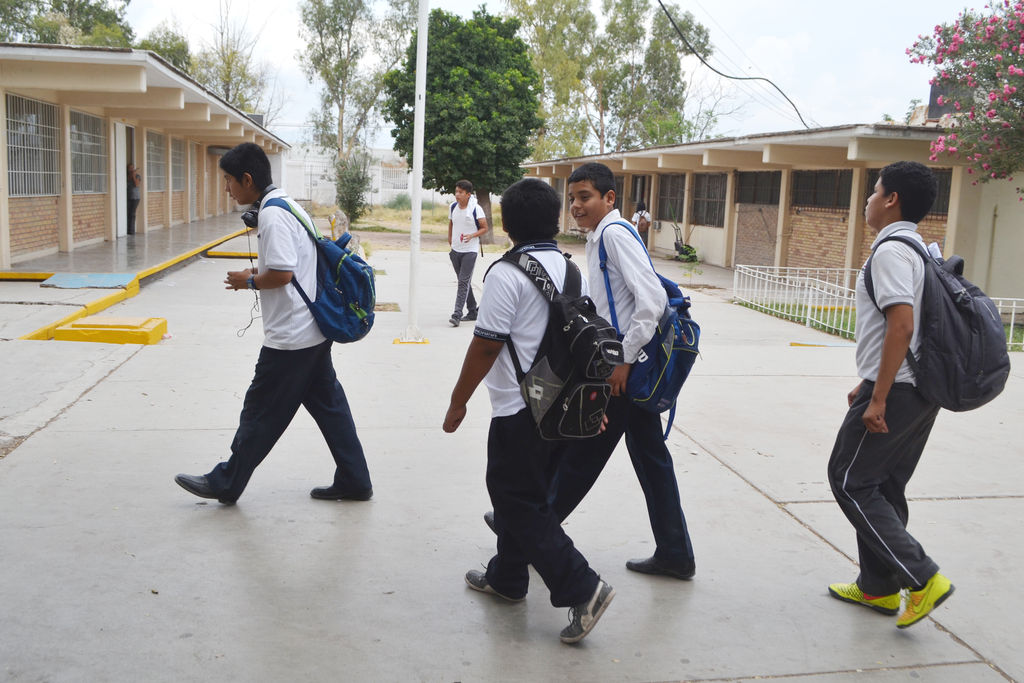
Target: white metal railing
{"type": "Point", "coordinates": [824, 298]}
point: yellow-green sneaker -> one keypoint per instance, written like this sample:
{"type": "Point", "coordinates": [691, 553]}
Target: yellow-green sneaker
{"type": "Point", "coordinates": [851, 592]}
{"type": "Point", "coordinates": [920, 603]}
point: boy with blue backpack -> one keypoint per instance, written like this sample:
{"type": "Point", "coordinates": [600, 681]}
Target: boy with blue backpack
{"type": "Point", "coordinates": [294, 366]}
{"type": "Point", "coordinates": [514, 314]}
{"type": "Point", "coordinates": [639, 303]}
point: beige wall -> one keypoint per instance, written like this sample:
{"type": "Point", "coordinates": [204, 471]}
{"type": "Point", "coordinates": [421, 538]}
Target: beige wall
{"type": "Point", "coordinates": [995, 264]}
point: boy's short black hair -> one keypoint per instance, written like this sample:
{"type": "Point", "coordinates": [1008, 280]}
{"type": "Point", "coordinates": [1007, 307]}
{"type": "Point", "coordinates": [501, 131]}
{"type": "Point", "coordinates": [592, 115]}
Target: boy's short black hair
{"type": "Point", "coordinates": [915, 185]}
{"type": "Point", "coordinates": [600, 175]}
{"type": "Point", "coordinates": [529, 210]}
{"type": "Point", "coordinates": [248, 158]}
{"type": "Point", "coordinates": [465, 185]}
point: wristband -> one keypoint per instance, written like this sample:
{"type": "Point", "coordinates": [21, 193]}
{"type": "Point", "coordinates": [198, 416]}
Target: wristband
{"type": "Point", "coordinates": [251, 282]}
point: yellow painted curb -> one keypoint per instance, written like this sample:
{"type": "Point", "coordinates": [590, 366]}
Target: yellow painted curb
{"type": "Point", "coordinates": [113, 330]}
{"type": "Point", "coordinates": [231, 254]}
{"type": "Point", "coordinates": [104, 302]}
{"type": "Point", "coordinates": [29, 277]}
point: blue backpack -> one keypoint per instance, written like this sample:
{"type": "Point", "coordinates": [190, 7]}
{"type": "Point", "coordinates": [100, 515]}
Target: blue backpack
{"type": "Point", "coordinates": [345, 296]}
{"type": "Point", "coordinates": [665, 361]}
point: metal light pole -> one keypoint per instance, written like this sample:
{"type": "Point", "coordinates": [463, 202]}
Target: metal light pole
{"type": "Point", "coordinates": [412, 332]}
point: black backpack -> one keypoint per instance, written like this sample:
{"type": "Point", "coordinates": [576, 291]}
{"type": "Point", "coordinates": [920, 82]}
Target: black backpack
{"type": "Point", "coordinates": [963, 362]}
{"type": "Point", "coordinates": [565, 389]}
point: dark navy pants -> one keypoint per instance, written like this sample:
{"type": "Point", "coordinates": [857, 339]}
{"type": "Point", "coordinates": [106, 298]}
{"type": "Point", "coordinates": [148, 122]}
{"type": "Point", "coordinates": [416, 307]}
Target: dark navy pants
{"type": "Point", "coordinates": [584, 460]}
{"type": "Point", "coordinates": [283, 381]}
{"type": "Point", "coordinates": [519, 466]}
{"type": "Point", "coordinates": [869, 475]}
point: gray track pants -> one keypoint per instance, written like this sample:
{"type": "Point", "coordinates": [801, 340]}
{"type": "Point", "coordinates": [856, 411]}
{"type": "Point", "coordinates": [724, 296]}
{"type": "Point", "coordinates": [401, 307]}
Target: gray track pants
{"type": "Point", "coordinates": [463, 262]}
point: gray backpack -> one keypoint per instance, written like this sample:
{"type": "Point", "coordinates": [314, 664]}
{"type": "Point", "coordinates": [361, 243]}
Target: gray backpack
{"type": "Point", "coordinates": [963, 362]}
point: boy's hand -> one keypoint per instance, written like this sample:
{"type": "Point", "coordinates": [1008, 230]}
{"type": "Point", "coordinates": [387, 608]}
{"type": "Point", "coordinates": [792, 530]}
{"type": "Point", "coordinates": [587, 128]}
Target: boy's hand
{"type": "Point", "coordinates": [237, 279]}
{"type": "Point", "coordinates": [618, 379]}
{"type": "Point", "coordinates": [852, 396]}
{"type": "Point", "coordinates": [456, 414]}
{"type": "Point", "coordinates": [874, 417]}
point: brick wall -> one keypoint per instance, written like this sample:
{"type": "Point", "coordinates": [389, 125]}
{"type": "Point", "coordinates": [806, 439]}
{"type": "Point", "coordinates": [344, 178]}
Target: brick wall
{"type": "Point", "coordinates": [756, 226]}
{"type": "Point", "coordinates": [89, 217]}
{"type": "Point", "coordinates": [817, 239]}
{"type": "Point", "coordinates": [931, 229]}
{"type": "Point", "coordinates": [156, 210]}
{"type": "Point", "coordinates": [177, 206]}
{"type": "Point", "coordinates": [33, 224]}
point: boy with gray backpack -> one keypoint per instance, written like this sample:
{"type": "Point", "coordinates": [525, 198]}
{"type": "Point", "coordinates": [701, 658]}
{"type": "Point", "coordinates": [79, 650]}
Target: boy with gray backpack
{"type": "Point", "coordinates": [900, 300]}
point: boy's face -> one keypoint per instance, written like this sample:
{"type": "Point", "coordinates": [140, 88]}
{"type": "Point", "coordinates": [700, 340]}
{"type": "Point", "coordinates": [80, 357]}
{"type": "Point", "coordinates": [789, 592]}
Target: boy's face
{"type": "Point", "coordinates": [461, 196]}
{"type": "Point", "coordinates": [242, 191]}
{"type": "Point", "coordinates": [882, 208]}
{"type": "Point", "coordinates": [587, 206]}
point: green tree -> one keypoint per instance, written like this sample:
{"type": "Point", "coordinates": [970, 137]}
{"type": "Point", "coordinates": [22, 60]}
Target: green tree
{"type": "Point", "coordinates": [351, 182]}
{"type": "Point", "coordinates": [169, 42]}
{"type": "Point", "coordinates": [229, 68]}
{"type": "Point", "coordinates": [66, 22]}
{"type": "Point", "coordinates": [979, 64]}
{"type": "Point", "coordinates": [336, 52]}
{"type": "Point", "coordinates": [620, 88]}
{"type": "Point", "coordinates": [481, 104]}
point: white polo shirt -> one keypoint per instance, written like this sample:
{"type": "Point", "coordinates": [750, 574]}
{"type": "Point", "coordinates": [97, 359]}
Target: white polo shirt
{"type": "Point", "coordinates": [284, 244]}
{"type": "Point", "coordinates": [639, 297]}
{"type": "Point", "coordinates": [897, 272]}
{"type": "Point", "coordinates": [464, 222]}
{"type": "Point", "coordinates": [511, 306]}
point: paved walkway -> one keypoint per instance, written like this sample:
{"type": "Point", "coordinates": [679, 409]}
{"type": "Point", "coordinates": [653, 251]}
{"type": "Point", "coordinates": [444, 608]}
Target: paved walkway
{"type": "Point", "coordinates": [111, 572]}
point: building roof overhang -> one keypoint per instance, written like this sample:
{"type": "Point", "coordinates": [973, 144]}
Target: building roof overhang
{"type": "Point", "coordinates": [137, 87]}
{"type": "Point", "coordinates": [848, 146]}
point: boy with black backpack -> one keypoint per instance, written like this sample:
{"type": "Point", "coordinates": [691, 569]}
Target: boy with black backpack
{"type": "Point", "coordinates": [519, 461]}
{"type": "Point", "coordinates": [889, 420]}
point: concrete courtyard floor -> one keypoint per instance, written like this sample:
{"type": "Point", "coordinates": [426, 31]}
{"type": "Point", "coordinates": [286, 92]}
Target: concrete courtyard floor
{"type": "Point", "coordinates": [111, 572]}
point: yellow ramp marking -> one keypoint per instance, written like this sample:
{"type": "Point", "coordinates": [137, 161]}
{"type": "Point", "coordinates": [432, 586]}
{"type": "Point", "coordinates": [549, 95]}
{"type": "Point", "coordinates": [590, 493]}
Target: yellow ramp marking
{"type": "Point", "coordinates": [113, 330]}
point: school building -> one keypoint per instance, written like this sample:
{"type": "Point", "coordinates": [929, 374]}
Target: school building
{"type": "Point", "coordinates": [797, 199]}
{"type": "Point", "coordinates": [73, 118]}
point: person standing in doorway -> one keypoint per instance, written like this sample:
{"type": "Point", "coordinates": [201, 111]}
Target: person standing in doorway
{"type": "Point", "coordinates": [466, 223]}
{"type": "Point", "coordinates": [134, 196]}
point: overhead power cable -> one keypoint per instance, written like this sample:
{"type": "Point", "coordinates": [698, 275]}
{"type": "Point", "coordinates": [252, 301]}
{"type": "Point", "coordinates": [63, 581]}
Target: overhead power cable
{"type": "Point", "coordinates": [723, 75]}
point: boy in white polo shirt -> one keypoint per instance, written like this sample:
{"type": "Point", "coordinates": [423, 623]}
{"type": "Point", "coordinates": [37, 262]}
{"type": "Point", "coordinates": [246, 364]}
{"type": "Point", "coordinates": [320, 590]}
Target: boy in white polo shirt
{"type": "Point", "coordinates": [887, 426]}
{"type": "Point", "coordinates": [466, 222]}
{"type": "Point", "coordinates": [518, 460]}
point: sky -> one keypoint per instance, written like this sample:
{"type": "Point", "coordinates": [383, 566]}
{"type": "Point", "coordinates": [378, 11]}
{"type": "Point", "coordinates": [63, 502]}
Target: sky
{"type": "Point", "coordinates": [840, 63]}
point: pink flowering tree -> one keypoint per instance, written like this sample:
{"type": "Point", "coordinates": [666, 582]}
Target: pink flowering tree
{"type": "Point", "coordinates": [979, 63]}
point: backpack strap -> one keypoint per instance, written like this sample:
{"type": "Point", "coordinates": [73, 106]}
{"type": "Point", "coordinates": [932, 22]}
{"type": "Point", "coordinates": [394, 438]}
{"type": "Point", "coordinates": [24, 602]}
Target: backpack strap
{"type": "Point", "coordinates": [603, 256]}
{"type": "Point", "coordinates": [521, 258]}
{"type": "Point", "coordinates": [311, 230]}
{"type": "Point", "coordinates": [869, 283]}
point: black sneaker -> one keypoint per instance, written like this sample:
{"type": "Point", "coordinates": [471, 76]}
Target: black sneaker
{"type": "Point", "coordinates": [477, 580]}
{"type": "Point", "coordinates": [583, 617]}
{"type": "Point", "coordinates": [469, 316]}
{"type": "Point", "coordinates": [489, 521]}
{"type": "Point", "coordinates": [454, 320]}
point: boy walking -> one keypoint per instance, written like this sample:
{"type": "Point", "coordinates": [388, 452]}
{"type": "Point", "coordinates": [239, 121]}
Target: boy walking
{"type": "Point", "coordinates": [640, 301]}
{"type": "Point", "coordinates": [466, 222]}
{"type": "Point", "coordinates": [519, 462]}
{"type": "Point", "coordinates": [887, 426]}
{"type": "Point", "coordinates": [294, 366]}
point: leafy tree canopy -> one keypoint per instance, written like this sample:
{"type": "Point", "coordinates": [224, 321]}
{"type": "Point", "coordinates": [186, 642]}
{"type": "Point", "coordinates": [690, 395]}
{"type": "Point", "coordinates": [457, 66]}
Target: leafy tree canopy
{"type": "Point", "coordinates": [167, 41]}
{"type": "Point", "coordinates": [481, 102]}
{"type": "Point", "coordinates": [979, 65]}
{"type": "Point", "coordinates": [66, 22]}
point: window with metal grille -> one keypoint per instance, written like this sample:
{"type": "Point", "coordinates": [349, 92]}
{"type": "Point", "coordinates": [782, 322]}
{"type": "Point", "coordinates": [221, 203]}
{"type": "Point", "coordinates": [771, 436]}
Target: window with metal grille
{"type": "Point", "coordinates": [828, 190]}
{"type": "Point", "coordinates": [758, 187]}
{"type": "Point", "coordinates": [156, 162]}
{"type": "Point", "coordinates": [33, 148]}
{"type": "Point", "coordinates": [177, 165]}
{"type": "Point", "coordinates": [88, 154]}
{"type": "Point", "coordinates": [709, 199]}
{"type": "Point", "coordinates": [941, 206]}
{"type": "Point", "coordinates": [671, 195]}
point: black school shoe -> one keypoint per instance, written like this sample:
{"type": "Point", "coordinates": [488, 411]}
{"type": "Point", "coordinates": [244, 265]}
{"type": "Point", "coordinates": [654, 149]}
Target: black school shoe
{"type": "Point", "coordinates": [470, 316]}
{"type": "Point", "coordinates": [334, 493]}
{"type": "Point", "coordinates": [652, 565]}
{"type": "Point", "coordinates": [455, 320]}
{"type": "Point", "coordinates": [199, 485]}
